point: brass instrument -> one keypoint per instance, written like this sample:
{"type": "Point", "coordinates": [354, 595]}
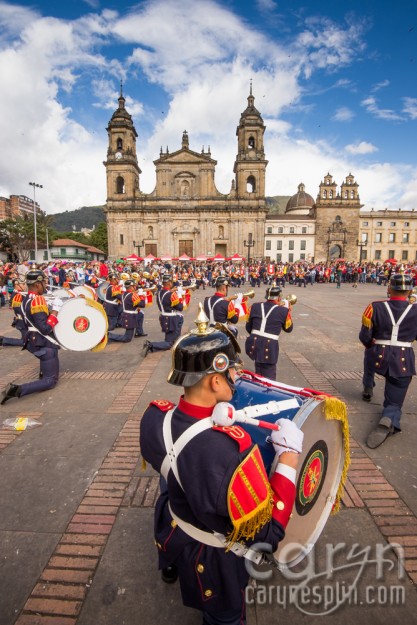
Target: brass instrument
{"type": "Point", "coordinates": [249, 295]}
{"type": "Point", "coordinates": [291, 299]}
{"type": "Point", "coordinates": [150, 288]}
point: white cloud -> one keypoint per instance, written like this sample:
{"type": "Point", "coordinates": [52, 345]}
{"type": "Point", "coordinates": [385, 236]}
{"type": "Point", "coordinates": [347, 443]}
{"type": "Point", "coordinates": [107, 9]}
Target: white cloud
{"type": "Point", "coordinates": [343, 114]}
{"type": "Point", "coordinates": [361, 147]}
{"type": "Point", "coordinates": [266, 5]}
{"type": "Point", "coordinates": [410, 107]}
{"type": "Point", "coordinates": [371, 106]}
{"type": "Point", "coordinates": [380, 85]}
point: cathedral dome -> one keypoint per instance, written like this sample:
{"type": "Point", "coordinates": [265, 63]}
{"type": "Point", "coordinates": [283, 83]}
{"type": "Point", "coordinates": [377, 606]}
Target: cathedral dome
{"type": "Point", "coordinates": [301, 203]}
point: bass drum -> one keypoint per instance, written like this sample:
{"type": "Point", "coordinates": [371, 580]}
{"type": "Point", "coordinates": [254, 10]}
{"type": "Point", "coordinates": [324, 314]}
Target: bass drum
{"type": "Point", "coordinates": [101, 290]}
{"type": "Point", "coordinates": [82, 324]}
{"type": "Point", "coordinates": [82, 290]}
{"type": "Point", "coordinates": [322, 464]}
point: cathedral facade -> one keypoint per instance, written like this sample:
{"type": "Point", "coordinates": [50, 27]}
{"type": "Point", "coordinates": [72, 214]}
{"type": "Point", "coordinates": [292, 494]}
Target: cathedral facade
{"type": "Point", "coordinates": [185, 213]}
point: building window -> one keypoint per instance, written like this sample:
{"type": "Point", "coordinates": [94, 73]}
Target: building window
{"type": "Point", "coordinates": [406, 237]}
{"type": "Point", "coordinates": [330, 194]}
{"type": "Point", "coordinates": [251, 143]}
{"type": "Point", "coordinates": [251, 184]}
{"type": "Point", "coordinates": [121, 240]}
{"type": "Point", "coordinates": [302, 256]}
{"type": "Point", "coordinates": [404, 255]}
{"type": "Point", "coordinates": [324, 194]}
{"type": "Point", "coordinates": [279, 244]}
{"type": "Point", "coordinates": [120, 184]}
{"type": "Point", "coordinates": [392, 224]}
{"type": "Point", "coordinates": [279, 258]}
{"type": "Point", "coordinates": [379, 224]}
{"type": "Point", "coordinates": [378, 237]}
{"type": "Point", "coordinates": [63, 251]}
{"type": "Point", "coordinates": [391, 253]}
{"type": "Point", "coordinates": [364, 237]}
{"type": "Point", "coordinates": [406, 224]}
{"type": "Point", "coordinates": [280, 230]}
{"type": "Point", "coordinates": [364, 254]}
{"type": "Point", "coordinates": [119, 144]}
{"type": "Point", "coordinates": [365, 224]}
{"type": "Point", "coordinates": [338, 218]}
{"type": "Point", "coordinates": [290, 245]}
{"type": "Point", "coordinates": [303, 245]}
{"type": "Point", "coordinates": [267, 245]}
{"type": "Point", "coordinates": [269, 230]}
{"type": "Point", "coordinates": [391, 237]}
{"type": "Point", "coordinates": [304, 230]}
{"type": "Point", "coordinates": [292, 230]}
{"type": "Point", "coordinates": [377, 254]}
{"type": "Point", "coordinates": [290, 258]}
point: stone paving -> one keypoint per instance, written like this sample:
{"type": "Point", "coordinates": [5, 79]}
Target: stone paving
{"type": "Point", "coordinates": [76, 521]}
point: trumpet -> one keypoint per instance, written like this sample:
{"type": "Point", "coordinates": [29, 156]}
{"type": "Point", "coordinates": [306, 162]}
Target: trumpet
{"type": "Point", "coordinates": [249, 295]}
{"type": "Point", "coordinates": [291, 299]}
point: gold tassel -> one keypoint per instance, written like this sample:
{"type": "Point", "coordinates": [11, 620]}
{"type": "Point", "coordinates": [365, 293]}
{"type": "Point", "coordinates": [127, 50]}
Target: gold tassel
{"type": "Point", "coordinates": [247, 527]}
{"type": "Point", "coordinates": [41, 308]}
{"type": "Point", "coordinates": [336, 409]}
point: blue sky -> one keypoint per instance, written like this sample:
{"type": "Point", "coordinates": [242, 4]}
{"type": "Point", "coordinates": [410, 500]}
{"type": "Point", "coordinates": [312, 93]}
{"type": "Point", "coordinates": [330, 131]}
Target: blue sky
{"type": "Point", "coordinates": [336, 84]}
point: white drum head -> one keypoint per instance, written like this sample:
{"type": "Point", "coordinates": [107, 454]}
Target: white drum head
{"type": "Point", "coordinates": [81, 326]}
{"type": "Point", "coordinates": [86, 291]}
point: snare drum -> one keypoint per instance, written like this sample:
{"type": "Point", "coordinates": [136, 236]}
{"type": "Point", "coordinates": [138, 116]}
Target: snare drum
{"type": "Point", "coordinates": [322, 463]}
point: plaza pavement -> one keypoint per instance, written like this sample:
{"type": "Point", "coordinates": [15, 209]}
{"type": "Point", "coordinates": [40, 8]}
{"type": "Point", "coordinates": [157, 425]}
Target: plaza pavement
{"type": "Point", "coordinates": [76, 507]}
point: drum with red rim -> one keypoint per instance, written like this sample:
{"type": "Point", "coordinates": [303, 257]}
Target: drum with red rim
{"type": "Point", "coordinates": [321, 464]}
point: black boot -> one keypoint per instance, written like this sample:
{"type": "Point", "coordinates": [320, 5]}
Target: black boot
{"type": "Point", "coordinates": [11, 390]}
{"type": "Point", "coordinates": [1, 341]}
{"type": "Point", "coordinates": [367, 394]}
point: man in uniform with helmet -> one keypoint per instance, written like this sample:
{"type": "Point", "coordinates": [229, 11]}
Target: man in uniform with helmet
{"type": "Point", "coordinates": [266, 320]}
{"type": "Point", "coordinates": [131, 302]}
{"type": "Point", "coordinates": [113, 300]}
{"type": "Point", "coordinates": [40, 324]}
{"type": "Point", "coordinates": [171, 319]}
{"type": "Point", "coordinates": [216, 500]}
{"type": "Point", "coordinates": [387, 332]}
{"type": "Point", "coordinates": [218, 308]}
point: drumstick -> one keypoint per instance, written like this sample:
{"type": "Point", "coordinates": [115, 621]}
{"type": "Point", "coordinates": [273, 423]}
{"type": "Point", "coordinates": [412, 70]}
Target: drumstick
{"type": "Point", "coordinates": [261, 424]}
{"type": "Point", "coordinates": [224, 414]}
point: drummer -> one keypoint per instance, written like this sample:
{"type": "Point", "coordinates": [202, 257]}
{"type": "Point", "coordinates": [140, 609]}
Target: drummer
{"type": "Point", "coordinates": [40, 324]}
{"type": "Point", "coordinates": [204, 491]}
{"type": "Point", "coordinates": [113, 300]}
{"type": "Point", "coordinates": [131, 302]}
{"type": "Point", "coordinates": [218, 308]}
{"type": "Point", "coordinates": [266, 320]}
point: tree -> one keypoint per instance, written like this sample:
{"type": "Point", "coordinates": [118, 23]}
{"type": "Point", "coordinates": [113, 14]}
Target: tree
{"type": "Point", "coordinates": [98, 238]}
{"type": "Point", "coordinates": [17, 236]}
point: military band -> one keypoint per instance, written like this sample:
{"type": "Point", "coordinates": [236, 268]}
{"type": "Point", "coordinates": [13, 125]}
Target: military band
{"type": "Point", "coordinates": [171, 319]}
{"type": "Point", "coordinates": [131, 302]}
{"type": "Point", "coordinates": [220, 309]}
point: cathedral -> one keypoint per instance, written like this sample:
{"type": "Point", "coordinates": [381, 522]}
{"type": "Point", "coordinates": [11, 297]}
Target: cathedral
{"type": "Point", "coordinates": [185, 213]}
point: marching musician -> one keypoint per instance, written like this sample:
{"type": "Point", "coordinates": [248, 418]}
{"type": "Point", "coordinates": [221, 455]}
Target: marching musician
{"type": "Point", "coordinates": [216, 499]}
{"type": "Point", "coordinates": [113, 300]}
{"type": "Point", "coordinates": [218, 308]}
{"type": "Point", "coordinates": [255, 278]}
{"type": "Point", "coordinates": [170, 319]}
{"type": "Point", "coordinates": [131, 302]}
{"type": "Point", "coordinates": [266, 320]}
{"type": "Point", "coordinates": [387, 332]}
{"type": "Point", "coordinates": [39, 336]}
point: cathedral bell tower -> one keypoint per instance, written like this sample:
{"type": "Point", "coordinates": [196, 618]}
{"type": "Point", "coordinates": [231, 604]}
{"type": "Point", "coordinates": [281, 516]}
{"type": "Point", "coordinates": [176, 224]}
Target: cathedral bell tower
{"type": "Point", "coordinates": [250, 163]}
{"type": "Point", "coordinates": [122, 167]}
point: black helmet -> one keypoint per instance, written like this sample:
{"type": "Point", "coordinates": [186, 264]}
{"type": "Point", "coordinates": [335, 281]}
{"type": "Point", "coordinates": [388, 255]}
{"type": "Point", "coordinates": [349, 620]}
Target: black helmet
{"type": "Point", "coordinates": [113, 276]}
{"type": "Point", "coordinates": [273, 291]}
{"type": "Point", "coordinates": [166, 277]}
{"type": "Point", "coordinates": [129, 283]}
{"type": "Point", "coordinates": [401, 282]}
{"type": "Point", "coordinates": [197, 354]}
{"type": "Point", "coordinates": [222, 281]}
{"type": "Point", "coordinates": [35, 275]}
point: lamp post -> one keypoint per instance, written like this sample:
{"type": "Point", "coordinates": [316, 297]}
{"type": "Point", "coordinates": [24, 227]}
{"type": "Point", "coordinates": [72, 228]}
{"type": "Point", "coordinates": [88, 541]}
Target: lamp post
{"type": "Point", "coordinates": [249, 243]}
{"type": "Point", "coordinates": [40, 186]}
{"type": "Point", "coordinates": [361, 244]}
{"type": "Point", "coordinates": [138, 245]}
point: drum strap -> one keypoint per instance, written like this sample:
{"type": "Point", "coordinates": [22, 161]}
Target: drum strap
{"type": "Point", "coordinates": [212, 539]}
{"type": "Point", "coordinates": [211, 309]}
{"type": "Point", "coordinates": [127, 312]}
{"type": "Point", "coordinates": [261, 331]}
{"type": "Point", "coordinates": [31, 328]}
{"type": "Point", "coordinates": [393, 341]}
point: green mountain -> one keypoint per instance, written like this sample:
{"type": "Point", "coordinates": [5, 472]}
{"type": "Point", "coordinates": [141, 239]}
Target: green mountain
{"type": "Point", "coordinates": [277, 203]}
{"type": "Point", "coordinates": [84, 217]}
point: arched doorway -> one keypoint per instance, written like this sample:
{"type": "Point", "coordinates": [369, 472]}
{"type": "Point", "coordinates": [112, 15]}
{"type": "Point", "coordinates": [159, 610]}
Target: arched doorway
{"type": "Point", "coordinates": [335, 252]}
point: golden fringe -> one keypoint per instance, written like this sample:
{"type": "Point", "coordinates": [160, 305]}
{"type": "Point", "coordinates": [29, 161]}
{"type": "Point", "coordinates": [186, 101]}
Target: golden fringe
{"type": "Point", "coordinates": [41, 308]}
{"type": "Point", "coordinates": [248, 526]}
{"type": "Point", "coordinates": [366, 322]}
{"type": "Point", "coordinates": [336, 409]}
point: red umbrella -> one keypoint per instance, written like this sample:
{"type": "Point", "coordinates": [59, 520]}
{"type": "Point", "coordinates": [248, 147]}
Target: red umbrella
{"type": "Point", "coordinates": [219, 257]}
{"type": "Point", "coordinates": [393, 261]}
{"type": "Point", "coordinates": [134, 257]}
{"type": "Point", "coordinates": [184, 257]}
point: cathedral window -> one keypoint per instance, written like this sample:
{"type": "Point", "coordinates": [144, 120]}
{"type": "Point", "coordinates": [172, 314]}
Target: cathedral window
{"type": "Point", "coordinates": [119, 144]}
{"type": "Point", "coordinates": [338, 218]}
{"type": "Point", "coordinates": [251, 143]}
{"type": "Point", "coordinates": [352, 195]}
{"type": "Point", "coordinates": [346, 195]}
{"type": "Point", "coordinates": [324, 194]}
{"type": "Point", "coordinates": [120, 184]}
{"type": "Point", "coordinates": [150, 232]}
{"type": "Point", "coordinates": [330, 194]}
{"type": "Point", "coordinates": [221, 232]}
{"type": "Point", "coordinates": [185, 187]}
{"type": "Point", "coordinates": [251, 184]}
{"type": "Point", "coordinates": [121, 239]}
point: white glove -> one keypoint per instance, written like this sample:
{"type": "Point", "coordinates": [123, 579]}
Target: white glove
{"type": "Point", "coordinates": [288, 438]}
{"type": "Point", "coordinates": [239, 299]}
{"type": "Point", "coordinates": [57, 304]}
{"type": "Point", "coordinates": [180, 292]}
{"type": "Point", "coordinates": [285, 303]}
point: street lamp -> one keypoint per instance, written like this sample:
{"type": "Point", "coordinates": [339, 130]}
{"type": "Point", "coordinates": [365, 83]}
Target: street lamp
{"type": "Point", "coordinates": [361, 244]}
{"type": "Point", "coordinates": [138, 245]}
{"type": "Point", "coordinates": [40, 186]}
{"type": "Point", "coordinates": [249, 243]}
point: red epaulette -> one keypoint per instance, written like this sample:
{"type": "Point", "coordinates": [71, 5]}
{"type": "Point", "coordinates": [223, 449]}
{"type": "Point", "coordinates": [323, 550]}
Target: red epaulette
{"type": "Point", "coordinates": [238, 434]}
{"type": "Point", "coordinates": [162, 404]}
